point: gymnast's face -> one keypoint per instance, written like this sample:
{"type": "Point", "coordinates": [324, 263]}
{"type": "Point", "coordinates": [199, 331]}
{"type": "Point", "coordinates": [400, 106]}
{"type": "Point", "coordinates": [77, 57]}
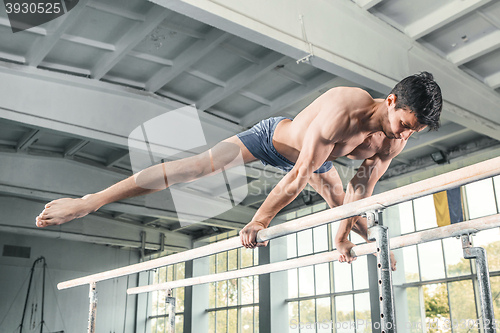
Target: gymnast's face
{"type": "Point", "coordinates": [400, 123]}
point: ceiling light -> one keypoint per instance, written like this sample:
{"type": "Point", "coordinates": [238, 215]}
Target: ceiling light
{"type": "Point", "coordinates": [439, 157]}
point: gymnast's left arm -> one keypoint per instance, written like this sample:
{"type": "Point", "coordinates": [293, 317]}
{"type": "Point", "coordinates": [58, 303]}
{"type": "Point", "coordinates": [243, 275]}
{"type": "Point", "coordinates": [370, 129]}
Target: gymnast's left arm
{"type": "Point", "coordinates": [361, 186]}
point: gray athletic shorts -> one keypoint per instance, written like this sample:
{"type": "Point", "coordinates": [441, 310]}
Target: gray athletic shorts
{"type": "Point", "coordinates": [259, 141]}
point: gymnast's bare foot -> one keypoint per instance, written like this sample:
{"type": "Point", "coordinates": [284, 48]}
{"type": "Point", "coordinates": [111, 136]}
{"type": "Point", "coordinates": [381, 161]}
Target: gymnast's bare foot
{"type": "Point", "coordinates": [63, 210]}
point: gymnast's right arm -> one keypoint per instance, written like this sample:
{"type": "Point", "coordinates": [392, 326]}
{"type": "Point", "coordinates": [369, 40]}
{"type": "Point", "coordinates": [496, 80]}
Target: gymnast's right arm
{"type": "Point", "coordinates": [319, 141]}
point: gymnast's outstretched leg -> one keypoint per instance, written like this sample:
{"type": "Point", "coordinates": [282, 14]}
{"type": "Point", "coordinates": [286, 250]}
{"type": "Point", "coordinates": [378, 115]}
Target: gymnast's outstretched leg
{"type": "Point", "coordinates": [150, 180]}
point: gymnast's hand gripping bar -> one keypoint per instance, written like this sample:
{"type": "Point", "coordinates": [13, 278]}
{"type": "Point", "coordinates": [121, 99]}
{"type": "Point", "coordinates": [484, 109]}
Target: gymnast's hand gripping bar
{"type": "Point", "coordinates": [435, 184]}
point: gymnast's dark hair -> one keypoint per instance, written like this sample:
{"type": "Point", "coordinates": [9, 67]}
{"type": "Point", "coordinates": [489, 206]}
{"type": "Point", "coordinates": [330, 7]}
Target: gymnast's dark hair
{"type": "Point", "coordinates": [422, 95]}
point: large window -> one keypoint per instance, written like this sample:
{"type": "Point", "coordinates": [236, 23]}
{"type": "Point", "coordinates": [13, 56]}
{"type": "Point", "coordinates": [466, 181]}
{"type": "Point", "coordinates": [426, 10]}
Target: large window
{"type": "Point", "coordinates": [440, 284]}
{"type": "Point", "coordinates": [159, 317]}
{"type": "Point", "coordinates": [330, 294]}
{"type": "Point", "coordinates": [233, 304]}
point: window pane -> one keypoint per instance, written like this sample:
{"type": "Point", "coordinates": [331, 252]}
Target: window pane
{"type": "Point", "coordinates": [344, 314]}
{"type": "Point", "coordinates": [293, 316]}
{"type": "Point", "coordinates": [436, 304]}
{"type": "Point", "coordinates": [160, 325]}
{"type": "Point", "coordinates": [291, 216]}
{"type": "Point", "coordinates": [180, 269]}
{"type": "Point", "coordinates": [211, 295]}
{"type": "Point", "coordinates": [307, 313]}
{"type": "Point", "coordinates": [335, 228]}
{"type": "Point", "coordinates": [304, 211]}
{"type": "Point", "coordinates": [495, 292]}
{"type": "Point", "coordinates": [360, 273]}
{"type": "Point", "coordinates": [414, 316]}
{"type": "Point", "coordinates": [170, 273]}
{"type": "Point", "coordinates": [221, 262]}
{"type": "Point", "coordinates": [256, 288]}
{"type": "Point", "coordinates": [324, 315]}
{"type": "Point", "coordinates": [342, 276]}
{"type": "Point", "coordinates": [247, 320]}
{"type": "Point", "coordinates": [247, 290]}
{"type": "Point", "coordinates": [306, 281]}
{"type": "Point", "coordinates": [320, 238]}
{"type": "Point", "coordinates": [211, 264]}
{"type": "Point", "coordinates": [232, 295]}
{"type": "Point", "coordinates": [221, 288]}
{"type": "Point", "coordinates": [304, 242]}
{"type": "Point", "coordinates": [211, 322]}
{"type": "Point", "coordinates": [179, 323]}
{"type": "Point", "coordinates": [246, 257]}
{"type": "Point", "coordinates": [319, 207]}
{"type": "Point", "coordinates": [363, 312]}
{"type": "Point", "coordinates": [256, 319]}
{"type": "Point", "coordinates": [153, 325]}
{"type": "Point", "coordinates": [463, 307]}
{"type": "Point", "coordinates": [480, 198]}
{"type": "Point", "coordinates": [221, 318]}
{"type": "Point", "coordinates": [356, 239]}
{"type": "Point", "coordinates": [232, 259]}
{"type": "Point", "coordinates": [232, 326]}
{"type": "Point", "coordinates": [410, 263]}
{"type": "Point", "coordinates": [490, 241]}
{"type": "Point", "coordinates": [162, 274]}
{"type": "Point", "coordinates": [179, 299]}
{"type": "Point", "coordinates": [406, 217]}
{"type": "Point", "coordinates": [455, 263]}
{"type": "Point", "coordinates": [155, 303]}
{"type": "Point", "coordinates": [293, 287]}
{"type": "Point", "coordinates": [431, 260]}
{"type": "Point", "coordinates": [161, 301]}
{"type": "Point", "coordinates": [322, 273]}
{"type": "Point", "coordinates": [425, 212]}
{"type": "Point", "coordinates": [291, 246]}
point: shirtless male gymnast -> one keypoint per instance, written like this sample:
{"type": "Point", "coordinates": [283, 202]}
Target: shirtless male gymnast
{"type": "Point", "coordinates": [342, 122]}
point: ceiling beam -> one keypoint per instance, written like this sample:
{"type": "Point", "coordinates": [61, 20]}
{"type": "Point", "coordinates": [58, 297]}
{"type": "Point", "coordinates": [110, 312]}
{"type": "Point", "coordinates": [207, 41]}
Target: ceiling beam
{"type": "Point", "coordinates": [442, 16]}
{"type": "Point", "coordinates": [289, 98]}
{"type": "Point", "coordinates": [290, 76]}
{"type": "Point", "coordinates": [129, 40]}
{"type": "Point", "coordinates": [206, 77]}
{"type": "Point", "coordinates": [89, 42]}
{"type": "Point", "coordinates": [75, 147]}
{"type": "Point", "coordinates": [493, 80]}
{"type": "Point", "coordinates": [28, 139]}
{"type": "Point", "coordinates": [43, 45]}
{"type": "Point", "coordinates": [240, 53]}
{"type": "Point", "coordinates": [241, 80]}
{"type": "Point", "coordinates": [187, 58]}
{"type": "Point", "coordinates": [131, 15]}
{"type": "Point", "coordinates": [255, 97]}
{"type": "Point", "coordinates": [475, 49]}
{"type": "Point", "coordinates": [5, 22]}
{"type": "Point", "coordinates": [116, 157]}
{"type": "Point", "coordinates": [367, 4]}
{"type": "Point", "coordinates": [150, 58]}
{"type": "Point", "coordinates": [184, 30]}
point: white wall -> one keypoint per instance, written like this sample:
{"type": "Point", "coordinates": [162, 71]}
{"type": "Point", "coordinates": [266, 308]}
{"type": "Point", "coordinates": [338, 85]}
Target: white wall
{"type": "Point", "coordinates": [67, 309]}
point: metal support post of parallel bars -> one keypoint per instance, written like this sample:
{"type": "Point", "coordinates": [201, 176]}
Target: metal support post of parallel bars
{"type": "Point", "coordinates": [171, 311]}
{"type": "Point", "coordinates": [483, 277]}
{"type": "Point", "coordinates": [92, 308]}
{"type": "Point", "coordinates": [380, 234]}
